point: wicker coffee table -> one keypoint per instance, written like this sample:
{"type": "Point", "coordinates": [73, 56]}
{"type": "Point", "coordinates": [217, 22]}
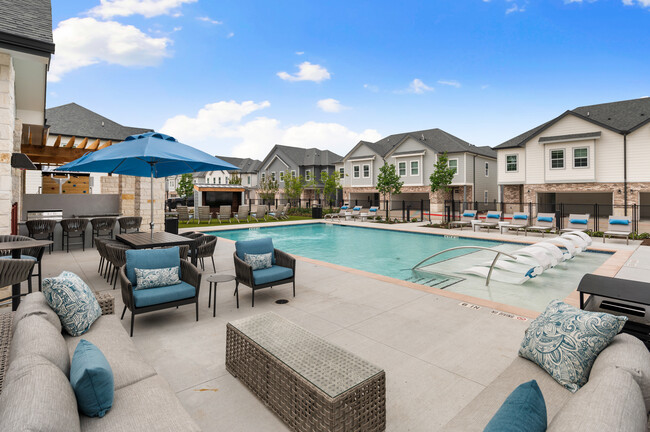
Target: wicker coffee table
{"type": "Point", "coordinates": [309, 383]}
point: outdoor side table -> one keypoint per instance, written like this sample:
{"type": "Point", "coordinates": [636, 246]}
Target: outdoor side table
{"type": "Point", "coordinates": [16, 248]}
{"type": "Point", "coordinates": [215, 279]}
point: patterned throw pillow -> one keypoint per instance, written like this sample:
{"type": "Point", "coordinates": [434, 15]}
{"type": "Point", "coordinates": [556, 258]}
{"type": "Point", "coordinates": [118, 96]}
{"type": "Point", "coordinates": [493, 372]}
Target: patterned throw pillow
{"type": "Point", "coordinates": [73, 301]}
{"type": "Point", "coordinates": [565, 341]}
{"type": "Point", "coordinates": [258, 261]}
{"type": "Point", "coordinates": [154, 278]}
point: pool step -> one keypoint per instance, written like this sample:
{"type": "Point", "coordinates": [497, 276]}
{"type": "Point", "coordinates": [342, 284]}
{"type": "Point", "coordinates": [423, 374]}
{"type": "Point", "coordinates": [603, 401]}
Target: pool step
{"type": "Point", "coordinates": [434, 280]}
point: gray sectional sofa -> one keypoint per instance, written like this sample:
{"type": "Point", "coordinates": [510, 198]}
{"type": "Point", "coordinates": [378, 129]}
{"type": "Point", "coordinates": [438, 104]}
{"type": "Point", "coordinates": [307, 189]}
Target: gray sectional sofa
{"type": "Point", "coordinates": [35, 391]}
{"type": "Point", "coordinates": [616, 397]}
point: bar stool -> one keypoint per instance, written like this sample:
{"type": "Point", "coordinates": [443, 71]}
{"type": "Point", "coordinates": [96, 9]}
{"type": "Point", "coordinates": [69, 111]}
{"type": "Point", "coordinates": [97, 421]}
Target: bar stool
{"type": "Point", "coordinates": [42, 229]}
{"type": "Point", "coordinates": [73, 227]}
{"type": "Point", "coordinates": [102, 225]}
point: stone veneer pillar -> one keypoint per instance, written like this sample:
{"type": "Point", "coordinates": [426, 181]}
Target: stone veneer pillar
{"type": "Point", "coordinates": [135, 199]}
{"type": "Point", "coordinates": [7, 143]}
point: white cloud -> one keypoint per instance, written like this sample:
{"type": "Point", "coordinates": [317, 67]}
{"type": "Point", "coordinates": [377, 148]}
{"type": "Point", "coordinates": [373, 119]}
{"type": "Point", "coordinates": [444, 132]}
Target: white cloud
{"type": "Point", "coordinates": [331, 105]}
{"type": "Point", "coordinates": [515, 8]}
{"type": "Point", "coordinates": [307, 72]}
{"type": "Point", "coordinates": [231, 34]}
{"type": "Point", "coordinates": [370, 87]}
{"type": "Point", "coordinates": [485, 86]}
{"type": "Point", "coordinates": [222, 128]}
{"type": "Point", "coordinates": [418, 87]}
{"type": "Point", "coordinates": [147, 8]}
{"type": "Point", "coordinates": [642, 3]}
{"type": "Point", "coordinates": [452, 83]}
{"type": "Point", "coordinates": [85, 41]}
{"type": "Point", "coordinates": [300, 52]}
{"type": "Point", "coordinates": [209, 20]}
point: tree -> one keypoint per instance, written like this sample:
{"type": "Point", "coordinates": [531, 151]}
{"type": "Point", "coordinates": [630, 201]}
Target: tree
{"type": "Point", "coordinates": [235, 179]}
{"type": "Point", "coordinates": [185, 188]}
{"type": "Point", "coordinates": [388, 182]}
{"type": "Point", "coordinates": [442, 174]}
{"type": "Point", "coordinates": [293, 187]}
{"type": "Point", "coordinates": [331, 183]}
{"type": "Point", "coordinates": [268, 189]}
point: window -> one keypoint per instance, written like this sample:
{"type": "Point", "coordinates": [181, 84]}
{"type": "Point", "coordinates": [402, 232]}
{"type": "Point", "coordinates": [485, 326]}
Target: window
{"type": "Point", "coordinates": [263, 176]}
{"type": "Point", "coordinates": [249, 180]}
{"type": "Point", "coordinates": [293, 173]}
{"type": "Point", "coordinates": [219, 180]}
{"type": "Point", "coordinates": [511, 163]}
{"type": "Point", "coordinates": [402, 168]}
{"type": "Point", "coordinates": [557, 159]}
{"type": "Point", "coordinates": [281, 176]}
{"type": "Point", "coordinates": [453, 164]}
{"type": "Point", "coordinates": [415, 168]}
{"type": "Point", "coordinates": [308, 175]}
{"type": "Point", "coordinates": [341, 172]}
{"type": "Point", "coordinates": [273, 175]}
{"type": "Point", "coordinates": [487, 169]}
{"type": "Point", "coordinates": [485, 197]}
{"type": "Point", "coordinates": [580, 157]}
{"type": "Point", "coordinates": [366, 171]}
{"type": "Point", "coordinates": [356, 171]}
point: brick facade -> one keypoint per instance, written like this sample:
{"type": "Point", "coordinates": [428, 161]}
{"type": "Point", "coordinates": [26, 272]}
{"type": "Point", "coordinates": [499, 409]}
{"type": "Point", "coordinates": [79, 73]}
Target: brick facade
{"type": "Point", "coordinates": [618, 199]}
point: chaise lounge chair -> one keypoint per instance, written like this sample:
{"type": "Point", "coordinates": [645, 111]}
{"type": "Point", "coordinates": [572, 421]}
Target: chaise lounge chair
{"type": "Point", "coordinates": [491, 221]}
{"type": "Point", "coordinates": [545, 222]}
{"type": "Point", "coordinates": [519, 222]}
{"type": "Point", "coordinates": [259, 213]}
{"type": "Point", "coordinates": [465, 219]}
{"type": "Point", "coordinates": [277, 214]}
{"type": "Point", "coordinates": [242, 213]}
{"type": "Point", "coordinates": [204, 214]}
{"type": "Point", "coordinates": [577, 222]}
{"type": "Point", "coordinates": [338, 215]}
{"type": "Point", "coordinates": [618, 227]}
{"type": "Point", "coordinates": [224, 213]}
{"type": "Point", "coordinates": [356, 212]}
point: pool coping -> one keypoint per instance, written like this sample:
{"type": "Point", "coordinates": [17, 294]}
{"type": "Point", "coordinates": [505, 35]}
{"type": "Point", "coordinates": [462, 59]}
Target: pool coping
{"type": "Point", "coordinates": [609, 268]}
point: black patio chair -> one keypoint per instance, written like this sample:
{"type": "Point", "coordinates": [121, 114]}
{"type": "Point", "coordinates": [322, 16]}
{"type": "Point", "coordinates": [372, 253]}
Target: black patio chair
{"type": "Point", "coordinates": [42, 229]}
{"type": "Point", "coordinates": [129, 223]}
{"type": "Point", "coordinates": [73, 228]}
{"type": "Point", "coordinates": [35, 254]}
{"type": "Point", "coordinates": [102, 227]}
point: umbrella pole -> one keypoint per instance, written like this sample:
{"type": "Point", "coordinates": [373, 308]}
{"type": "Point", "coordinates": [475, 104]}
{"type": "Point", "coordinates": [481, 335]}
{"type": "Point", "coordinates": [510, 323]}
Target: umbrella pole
{"type": "Point", "coordinates": [151, 224]}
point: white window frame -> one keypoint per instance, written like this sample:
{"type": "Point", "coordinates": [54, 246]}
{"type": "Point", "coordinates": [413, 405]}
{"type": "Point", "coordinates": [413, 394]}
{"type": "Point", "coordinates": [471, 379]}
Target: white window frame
{"type": "Point", "coordinates": [263, 176]}
{"type": "Point", "coordinates": [364, 170]}
{"type": "Point", "coordinates": [449, 165]}
{"type": "Point", "coordinates": [293, 173]}
{"type": "Point", "coordinates": [573, 152]}
{"type": "Point", "coordinates": [356, 169]}
{"type": "Point", "coordinates": [401, 165]}
{"type": "Point", "coordinates": [282, 176]}
{"type": "Point", "coordinates": [341, 172]}
{"type": "Point", "coordinates": [487, 169]}
{"type": "Point", "coordinates": [273, 175]}
{"type": "Point", "coordinates": [550, 155]}
{"type": "Point", "coordinates": [485, 197]}
{"type": "Point", "coordinates": [417, 168]}
{"type": "Point", "coordinates": [249, 180]}
{"type": "Point", "coordinates": [172, 185]}
{"type": "Point", "coordinates": [516, 156]}
{"type": "Point", "coordinates": [307, 175]}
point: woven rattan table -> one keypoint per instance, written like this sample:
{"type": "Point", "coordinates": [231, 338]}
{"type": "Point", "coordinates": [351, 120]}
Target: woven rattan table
{"type": "Point", "coordinates": [309, 383]}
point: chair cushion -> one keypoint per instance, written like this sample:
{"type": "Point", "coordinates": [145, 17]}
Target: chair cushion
{"type": "Point", "coordinates": [21, 257]}
{"type": "Point", "coordinates": [153, 278]}
{"type": "Point", "coordinates": [160, 295]}
{"type": "Point", "coordinates": [37, 396]}
{"type": "Point", "coordinates": [545, 219]}
{"type": "Point", "coordinates": [257, 246]}
{"type": "Point", "coordinates": [565, 341]}
{"type": "Point", "coordinates": [73, 301]}
{"type": "Point", "coordinates": [523, 410]}
{"type": "Point", "coordinates": [35, 304]}
{"type": "Point", "coordinates": [151, 259]}
{"type": "Point", "coordinates": [619, 222]}
{"type": "Point", "coordinates": [91, 378]}
{"type": "Point", "coordinates": [275, 273]}
{"type": "Point", "coordinates": [34, 335]}
{"type": "Point", "coordinates": [259, 261]}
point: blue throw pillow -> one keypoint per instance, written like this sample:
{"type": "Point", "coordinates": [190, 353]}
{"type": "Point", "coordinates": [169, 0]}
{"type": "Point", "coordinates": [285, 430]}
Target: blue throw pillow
{"type": "Point", "coordinates": [73, 301]}
{"type": "Point", "coordinates": [150, 259]}
{"type": "Point", "coordinates": [579, 221]}
{"type": "Point", "coordinates": [494, 216]}
{"type": "Point", "coordinates": [619, 222]}
{"type": "Point", "coordinates": [469, 214]}
{"type": "Point", "coordinates": [154, 278]}
{"type": "Point", "coordinates": [544, 219]}
{"type": "Point", "coordinates": [565, 341]}
{"type": "Point", "coordinates": [257, 246]}
{"type": "Point", "coordinates": [523, 410]}
{"type": "Point", "coordinates": [91, 378]}
{"type": "Point", "coordinates": [524, 217]}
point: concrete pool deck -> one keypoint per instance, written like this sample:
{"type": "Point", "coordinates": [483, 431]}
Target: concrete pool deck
{"type": "Point", "coordinates": [438, 351]}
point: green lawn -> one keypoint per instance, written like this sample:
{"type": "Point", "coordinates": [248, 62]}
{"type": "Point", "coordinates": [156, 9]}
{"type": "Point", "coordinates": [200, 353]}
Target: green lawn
{"type": "Point", "coordinates": [233, 221]}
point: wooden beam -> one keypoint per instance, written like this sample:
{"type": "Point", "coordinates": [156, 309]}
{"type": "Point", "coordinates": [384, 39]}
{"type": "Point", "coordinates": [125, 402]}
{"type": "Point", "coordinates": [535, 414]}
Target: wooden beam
{"type": "Point", "coordinates": [106, 144]}
{"type": "Point", "coordinates": [47, 154]}
{"type": "Point", "coordinates": [57, 143]}
{"type": "Point", "coordinates": [30, 136]}
{"type": "Point", "coordinates": [94, 145]}
{"type": "Point", "coordinates": [44, 140]}
{"type": "Point", "coordinates": [82, 144]}
{"type": "Point", "coordinates": [70, 143]}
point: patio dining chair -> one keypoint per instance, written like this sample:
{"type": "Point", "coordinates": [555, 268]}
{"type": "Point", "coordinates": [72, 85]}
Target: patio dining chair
{"type": "Point", "coordinates": [618, 226]}
{"type": "Point", "coordinates": [129, 223]}
{"type": "Point", "coordinates": [577, 222]}
{"type": "Point", "coordinates": [15, 271]}
{"type": "Point", "coordinates": [465, 219]}
{"type": "Point", "coordinates": [242, 213]}
{"type": "Point", "coordinates": [545, 222]}
{"type": "Point", "coordinates": [35, 254]}
{"type": "Point", "coordinates": [73, 228]}
{"type": "Point", "coordinates": [42, 229]}
{"type": "Point", "coordinates": [116, 256]}
{"type": "Point", "coordinates": [102, 227]}
{"type": "Point", "coordinates": [224, 213]}
{"type": "Point", "coordinates": [205, 247]}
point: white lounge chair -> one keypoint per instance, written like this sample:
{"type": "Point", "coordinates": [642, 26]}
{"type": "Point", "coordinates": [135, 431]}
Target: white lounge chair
{"type": "Point", "coordinates": [519, 222]}
{"type": "Point", "coordinates": [373, 212]}
{"type": "Point", "coordinates": [356, 212]}
{"type": "Point", "coordinates": [618, 227]}
{"type": "Point", "coordinates": [491, 221]}
{"type": "Point", "coordinates": [342, 211]}
{"type": "Point", "coordinates": [465, 219]}
{"type": "Point", "coordinates": [545, 222]}
{"type": "Point", "coordinates": [577, 222]}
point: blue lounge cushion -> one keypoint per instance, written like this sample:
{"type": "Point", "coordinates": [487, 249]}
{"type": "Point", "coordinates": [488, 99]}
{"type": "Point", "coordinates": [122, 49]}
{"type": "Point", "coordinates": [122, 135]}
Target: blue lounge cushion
{"type": "Point", "coordinates": [544, 219]}
{"type": "Point", "coordinates": [151, 259]}
{"type": "Point", "coordinates": [565, 341]}
{"type": "Point", "coordinates": [154, 278]}
{"type": "Point", "coordinates": [374, 210]}
{"type": "Point", "coordinates": [520, 216]}
{"type": "Point", "coordinates": [160, 295]}
{"type": "Point", "coordinates": [579, 221]}
{"type": "Point", "coordinates": [91, 378]}
{"type": "Point", "coordinates": [21, 257]}
{"type": "Point", "coordinates": [255, 247]}
{"type": "Point", "coordinates": [619, 222]}
{"type": "Point", "coordinates": [523, 410]}
{"type": "Point", "coordinates": [344, 207]}
{"type": "Point", "coordinates": [357, 208]}
{"type": "Point", "coordinates": [494, 216]}
{"type": "Point", "coordinates": [275, 273]}
{"type": "Point", "coordinates": [469, 214]}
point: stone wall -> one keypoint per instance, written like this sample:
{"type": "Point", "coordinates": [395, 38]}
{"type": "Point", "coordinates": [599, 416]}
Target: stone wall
{"type": "Point", "coordinates": [7, 128]}
{"type": "Point", "coordinates": [511, 193]}
{"type": "Point", "coordinates": [135, 198]}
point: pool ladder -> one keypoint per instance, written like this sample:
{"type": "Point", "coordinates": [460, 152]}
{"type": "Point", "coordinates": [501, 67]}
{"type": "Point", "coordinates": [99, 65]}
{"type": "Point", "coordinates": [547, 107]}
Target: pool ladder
{"type": "Point", "coordinates": [496, 258]}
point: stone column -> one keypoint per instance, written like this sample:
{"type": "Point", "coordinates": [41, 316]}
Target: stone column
{"type": "Point", "coordinates": [7, 128]}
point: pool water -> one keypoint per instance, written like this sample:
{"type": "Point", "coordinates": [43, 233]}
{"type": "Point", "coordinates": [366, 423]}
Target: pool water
{"type": "Point", "coordinates": [394, 253]}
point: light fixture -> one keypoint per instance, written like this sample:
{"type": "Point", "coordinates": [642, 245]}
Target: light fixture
{"type": "Point", "coordinates": [619, 191]}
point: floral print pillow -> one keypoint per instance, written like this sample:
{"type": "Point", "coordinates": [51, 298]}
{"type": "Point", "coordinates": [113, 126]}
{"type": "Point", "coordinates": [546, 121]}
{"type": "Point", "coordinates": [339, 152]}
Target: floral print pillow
{"type": "Point", "coordinates": [154, 278]}
{"type": "Point", "coordinates": [259, 261]}
{"type": "Point", "coordinates": [565, 341]}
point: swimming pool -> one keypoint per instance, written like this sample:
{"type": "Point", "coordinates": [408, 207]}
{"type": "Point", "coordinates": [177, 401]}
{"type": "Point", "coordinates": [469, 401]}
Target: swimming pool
{"type": "Point", "coordinates": [394, 253]}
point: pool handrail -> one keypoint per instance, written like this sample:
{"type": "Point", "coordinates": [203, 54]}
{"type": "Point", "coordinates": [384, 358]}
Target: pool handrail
{"type": "Point", "coordinates": [496, 258]}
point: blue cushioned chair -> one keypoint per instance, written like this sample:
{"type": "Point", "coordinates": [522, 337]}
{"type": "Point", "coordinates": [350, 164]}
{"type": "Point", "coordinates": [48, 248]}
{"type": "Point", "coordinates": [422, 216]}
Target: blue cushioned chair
{"type": "Point", "coordinates": [153, 299]}
{"type": "Point", "coordinates": [282, 271]}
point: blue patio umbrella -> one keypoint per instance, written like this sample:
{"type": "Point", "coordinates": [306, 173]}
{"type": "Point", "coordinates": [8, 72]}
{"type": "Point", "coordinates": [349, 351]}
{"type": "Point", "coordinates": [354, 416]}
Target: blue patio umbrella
{"type": "Point", "coordinates": [150, 154]}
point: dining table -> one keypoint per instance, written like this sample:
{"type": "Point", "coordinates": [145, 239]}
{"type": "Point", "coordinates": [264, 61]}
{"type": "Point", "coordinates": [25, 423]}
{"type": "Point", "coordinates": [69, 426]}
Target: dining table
{"type": "Point", "coordinates": [145, 240]}
{"type": "Point", "coordinates": [16, 248]}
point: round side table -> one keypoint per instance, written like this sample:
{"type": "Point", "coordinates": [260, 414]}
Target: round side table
{"type": "Point", "coordinates": [215, 279]}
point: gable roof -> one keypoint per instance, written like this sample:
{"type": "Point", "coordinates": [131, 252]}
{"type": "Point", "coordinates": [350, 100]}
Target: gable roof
{"type": "Point", "coordinates": [26, 26]}
{"type": "Point", "coordinates": [246, 165]}
{"type": "Point", "coordinates": [75, 120]}
{"type": "Point", "coordinates": [621, 117]}
{"type": "Point", "coordinates": [305, 157]}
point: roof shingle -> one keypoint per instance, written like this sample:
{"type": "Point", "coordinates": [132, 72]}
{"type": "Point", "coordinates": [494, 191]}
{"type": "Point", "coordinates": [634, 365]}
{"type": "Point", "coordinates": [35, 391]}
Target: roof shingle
{"type": "Point", "coordinates": [27, 24]}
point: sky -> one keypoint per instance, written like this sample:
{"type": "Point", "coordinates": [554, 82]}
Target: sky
{"type": "Point", "coordinates": [235, 77]}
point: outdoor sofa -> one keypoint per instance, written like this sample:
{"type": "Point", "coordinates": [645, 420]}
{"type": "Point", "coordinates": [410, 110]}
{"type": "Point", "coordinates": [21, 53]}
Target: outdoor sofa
{"type": "Point", "coordinates": [36, 394]}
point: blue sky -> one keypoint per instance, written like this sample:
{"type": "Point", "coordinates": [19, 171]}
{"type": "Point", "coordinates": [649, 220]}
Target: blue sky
{"type": "Point", "coordinates": [237, 77]}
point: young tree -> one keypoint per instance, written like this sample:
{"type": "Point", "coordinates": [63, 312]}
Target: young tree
{"type": "Point", "coordinates": [235, 179]}
{"type": "Point", "coordinates": [331, 183]}
{"type": "Point", "coordinates": [442, 174]}
{"type": "Point", "coordinates": [268, 189]}
{"type": "Point", "coordinates": [293, 187]}
{"type": "Point", "coordinates": [185, 187]}
{"type": "Point", "coordinates": [388, 182]}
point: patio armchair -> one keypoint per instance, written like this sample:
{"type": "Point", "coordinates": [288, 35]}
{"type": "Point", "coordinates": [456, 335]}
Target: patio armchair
{"type": "Point", "coordinates": [520, 221]}
{"type": "Point", "coordinates": [102, 227]}
{"type": "Point", "coordinates": [224, 213]}
{"type": "Point", "coordinates": [73, 227]}
{"type": "Point", "coordinates": [618, 227]}
{"type": "Point", "coordinates": [42, 229]}
{"type": "Point", "coordinates": [144, 300]}
{"type": "Point", "coordinates": [577, 222]}
{"type": "Point", "coordinates": [491, 221]}
{"type": "Point", "coordinates": [204, 215]}
{"type": "Point", "coordinates": [545, 222]}
{"type": "Point", "coordinates": [34, 254]}
{"type": "Point", "coordinates": [192, 234]}
{"type": "Point", "coordinates": [465, 219]}
{"type": "Point", "coordinates": [129, 223]}
{"type": "Point", "coordinates": [242, 213]}
{"type": "Point", "coordinates": [259, 213]}
{"type": "Point", "coordinates": [281, 271]}
{"type": "Point", "coordinates": [342, 211]}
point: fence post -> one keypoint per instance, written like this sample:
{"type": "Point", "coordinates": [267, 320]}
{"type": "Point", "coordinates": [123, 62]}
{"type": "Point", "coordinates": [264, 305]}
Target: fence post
{"type": "Point", "coordinates": [386, 205]}
{"type": "Point", "coordinates": [635, 224]}
{"type": "Point", "coordinates": [403, 214]}
{"type": "Point", "coordinates": [421, 210]}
